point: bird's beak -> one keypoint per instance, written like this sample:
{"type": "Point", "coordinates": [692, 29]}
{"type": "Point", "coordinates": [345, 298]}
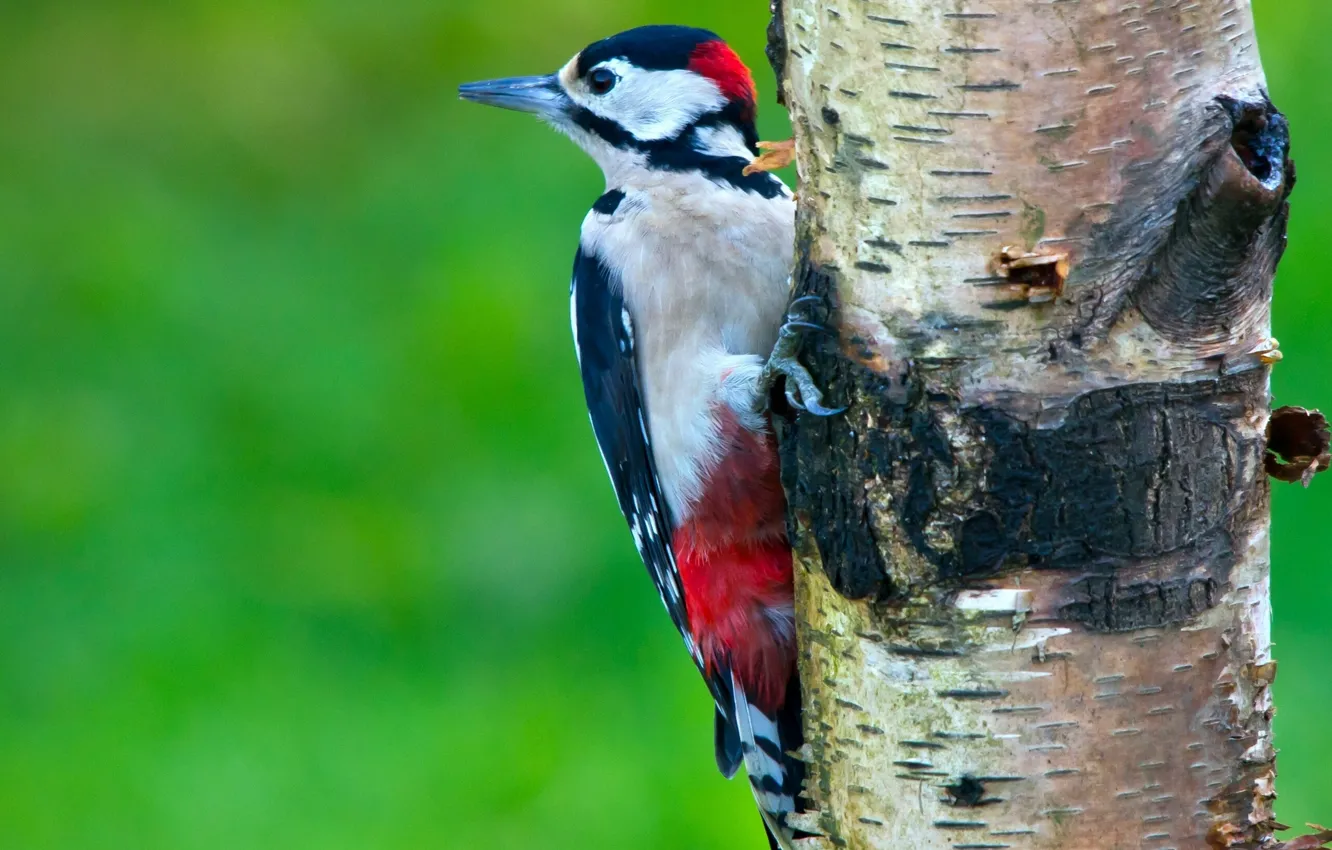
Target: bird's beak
{"type": "Point", "coordinates": [542, 95]}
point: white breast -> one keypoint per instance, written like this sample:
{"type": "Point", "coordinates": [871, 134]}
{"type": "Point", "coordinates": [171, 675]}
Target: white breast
{"type": "Point", "coordinates": [705, 272]}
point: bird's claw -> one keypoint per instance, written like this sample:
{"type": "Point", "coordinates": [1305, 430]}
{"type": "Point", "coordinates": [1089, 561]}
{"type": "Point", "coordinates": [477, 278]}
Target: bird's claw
{"type": "Point", "coordinates": [802, 393]}
{"type": "Point", "coordinates": [805, 395]}
{"type": "Point", "coordinates": [790, 308]}
{"type": "Point", "coordinates": [800, 323]}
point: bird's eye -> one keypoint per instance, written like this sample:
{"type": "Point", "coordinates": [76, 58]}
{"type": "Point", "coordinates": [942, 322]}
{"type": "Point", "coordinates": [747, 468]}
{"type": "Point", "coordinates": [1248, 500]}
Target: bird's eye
{"type": "Point", "coordinates": [601, 80]}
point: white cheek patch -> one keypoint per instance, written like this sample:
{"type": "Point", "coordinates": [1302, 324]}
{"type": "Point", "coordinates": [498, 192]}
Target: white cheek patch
{"type": "Point", "coordinates": [651, 105]}
{"type": "Point", "coordinates": [721, 140]}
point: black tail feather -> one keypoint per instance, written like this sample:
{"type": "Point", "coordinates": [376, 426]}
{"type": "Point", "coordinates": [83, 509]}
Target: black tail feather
{"type": "Point", "coordinates": [789, 724]}
{"type": "Point", "coordinates": [776, 778]}
{"type": "Point", "coordinates": [727, 740]}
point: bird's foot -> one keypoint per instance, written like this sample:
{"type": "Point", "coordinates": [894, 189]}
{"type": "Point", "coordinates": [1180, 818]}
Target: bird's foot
{"type": "Point", "coordinates": [801, 390]}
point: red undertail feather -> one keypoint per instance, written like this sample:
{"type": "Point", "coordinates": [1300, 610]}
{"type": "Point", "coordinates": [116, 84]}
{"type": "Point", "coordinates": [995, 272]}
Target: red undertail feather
{"type": "Point", "coordinates": [735, 566]}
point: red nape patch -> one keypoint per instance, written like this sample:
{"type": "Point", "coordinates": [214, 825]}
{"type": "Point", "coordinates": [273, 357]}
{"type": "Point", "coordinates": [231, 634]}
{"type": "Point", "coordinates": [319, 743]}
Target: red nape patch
{"type": "Point", "coordinates": [718, 62]}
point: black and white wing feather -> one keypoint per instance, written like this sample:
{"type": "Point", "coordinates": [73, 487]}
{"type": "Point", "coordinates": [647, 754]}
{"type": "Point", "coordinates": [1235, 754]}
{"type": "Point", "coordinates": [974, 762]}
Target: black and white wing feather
{"type": "Point", "coordinates": [608, 359]}
{"type": "Point", "coordinates": [604, 340]}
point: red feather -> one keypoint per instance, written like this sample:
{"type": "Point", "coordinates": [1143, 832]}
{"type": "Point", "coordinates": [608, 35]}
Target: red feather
{"type": "Point", "coordinates": [735, 566]}
{"type": "Point", "coordinates": [719, 63]}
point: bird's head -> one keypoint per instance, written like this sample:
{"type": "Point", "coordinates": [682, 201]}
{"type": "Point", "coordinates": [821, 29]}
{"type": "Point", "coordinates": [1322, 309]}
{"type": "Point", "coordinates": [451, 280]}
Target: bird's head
{"type": "Point", "coordinates": [650, 96]}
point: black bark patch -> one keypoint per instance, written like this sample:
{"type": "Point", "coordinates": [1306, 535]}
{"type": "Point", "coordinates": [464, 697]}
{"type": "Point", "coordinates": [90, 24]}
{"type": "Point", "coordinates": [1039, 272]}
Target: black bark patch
{"type": "Point", "coordinates": [982, 541]}
{"type": "Point", "coordinates": [822, 457]}
{"type": "Point", "coordinates": [1132, 473]}
{"type": "Point", "coordinates": [1133, 476]}
{"type": "Point", "coordinates": [1110, 607]}
{"type": "Point", "coordinates": [967, 792]}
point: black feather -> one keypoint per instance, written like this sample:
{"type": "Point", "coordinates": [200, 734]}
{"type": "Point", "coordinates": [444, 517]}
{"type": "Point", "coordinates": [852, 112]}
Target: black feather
{"type": "Point", "coordinates": [792, 733]}
{"type": "Point", "coordinates": [659, 47]}
{"type": "Point", "coordinates": [608, 203]}
{"type": "Point", "coordinates": [730, 753]}
{"type": "Point", "coordinates": [680, 154]}
{"type": "Point", "coordinates": [608, 358]}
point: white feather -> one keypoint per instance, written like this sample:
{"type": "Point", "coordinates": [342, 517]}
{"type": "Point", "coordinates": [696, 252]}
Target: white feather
{"type": "Point", "coordinates": [651, 105]}
{"type": "Point", "coordinates": [573, 317]}
{"type": "Point", "coordinates": [721, 140]}
{"type": "Point", "coordinates": [752, 722]}
{"type": "Point", "coordinates": [705, 273]}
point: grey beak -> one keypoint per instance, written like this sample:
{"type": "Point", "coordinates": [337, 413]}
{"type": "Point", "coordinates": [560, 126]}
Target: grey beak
{"type": "Point", "coordinates": [541, 95]}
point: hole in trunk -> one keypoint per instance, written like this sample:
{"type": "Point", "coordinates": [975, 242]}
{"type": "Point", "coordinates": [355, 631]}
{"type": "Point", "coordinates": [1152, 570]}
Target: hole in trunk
{"type": "Point", "coordinates": [1297, 444]}
{"type": "Point", "coordinates": [1261, 139]}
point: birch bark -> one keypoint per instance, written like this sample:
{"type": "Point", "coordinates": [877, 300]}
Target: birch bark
{"type": "Point", "coordinates": [1032, 556]}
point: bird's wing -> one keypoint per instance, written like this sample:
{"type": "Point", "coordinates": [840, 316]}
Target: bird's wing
{"type": "Point", "coordinates": [607, 356]}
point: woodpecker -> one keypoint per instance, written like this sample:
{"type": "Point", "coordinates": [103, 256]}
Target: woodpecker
{"type": "Point", "coordinates": [680, 289]}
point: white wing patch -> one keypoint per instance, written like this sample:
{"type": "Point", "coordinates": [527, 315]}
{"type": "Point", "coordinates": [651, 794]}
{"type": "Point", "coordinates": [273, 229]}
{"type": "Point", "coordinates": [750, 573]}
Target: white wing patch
{"type": "Point", "coordinates": [573, 319]}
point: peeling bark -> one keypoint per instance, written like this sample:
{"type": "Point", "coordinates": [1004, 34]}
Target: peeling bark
{"type": "Point", "coordinates": [1032, 581]}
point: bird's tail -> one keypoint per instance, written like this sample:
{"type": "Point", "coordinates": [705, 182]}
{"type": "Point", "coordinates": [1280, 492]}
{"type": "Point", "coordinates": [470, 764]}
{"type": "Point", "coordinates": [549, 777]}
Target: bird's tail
{"type": "Point", "coordinates": [775, 777]}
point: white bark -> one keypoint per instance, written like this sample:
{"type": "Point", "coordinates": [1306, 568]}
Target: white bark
{"type": "Point", "coordinates": [1033, 554]}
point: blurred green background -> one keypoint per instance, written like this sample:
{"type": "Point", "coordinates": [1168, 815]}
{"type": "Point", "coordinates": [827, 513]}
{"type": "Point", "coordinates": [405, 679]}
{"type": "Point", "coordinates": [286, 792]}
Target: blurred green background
{"type": "Point", "coordinates": [304, 540]}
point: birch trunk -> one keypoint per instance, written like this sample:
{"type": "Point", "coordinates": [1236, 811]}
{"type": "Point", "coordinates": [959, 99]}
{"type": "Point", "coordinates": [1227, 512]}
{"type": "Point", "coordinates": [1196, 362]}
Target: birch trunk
{"type": "Point", "coordinates": [1032, 556]}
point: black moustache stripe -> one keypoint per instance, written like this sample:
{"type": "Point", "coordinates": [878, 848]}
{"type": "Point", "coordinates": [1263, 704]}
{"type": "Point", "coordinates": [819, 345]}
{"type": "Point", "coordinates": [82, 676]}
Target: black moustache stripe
{"type": "Point", "coordinates": [679, 154]}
